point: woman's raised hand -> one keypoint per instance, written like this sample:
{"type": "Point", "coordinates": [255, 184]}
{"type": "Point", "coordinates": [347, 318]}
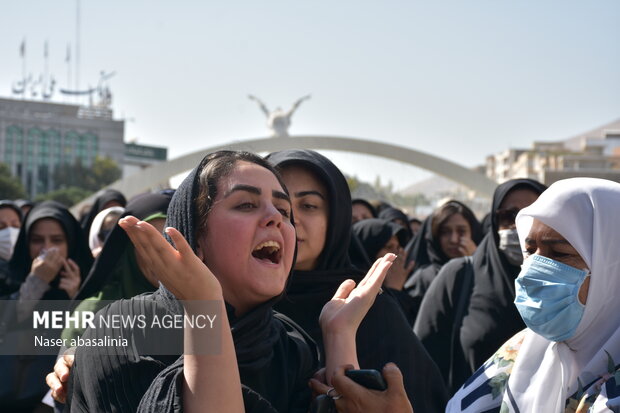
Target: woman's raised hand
{"type": "Point", "coordinates": [180, 270]}
{"type": "Point", "coordinates": [346, 310]}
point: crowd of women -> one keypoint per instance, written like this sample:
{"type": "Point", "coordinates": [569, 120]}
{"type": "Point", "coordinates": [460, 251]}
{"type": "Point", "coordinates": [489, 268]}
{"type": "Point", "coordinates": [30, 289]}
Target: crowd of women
{"type": "Point", "coordinates": [518, 313]}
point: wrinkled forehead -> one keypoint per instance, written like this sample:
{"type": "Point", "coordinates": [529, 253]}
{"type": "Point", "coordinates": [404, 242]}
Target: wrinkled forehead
{"type": "Point", "coordinates": [585, 212]}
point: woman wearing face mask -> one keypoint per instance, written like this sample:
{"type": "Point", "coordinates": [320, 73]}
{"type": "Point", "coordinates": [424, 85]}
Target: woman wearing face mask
{"type": "Point", "coordinates": [567, 294]}
{"type": "Point", "coordinates": [51, 254]}
{"type": "Point", "coordinates": [451, 231]}
{"type": "Point", "coordinates": [107, 199]}
{"type": "Point", "coordinates": [233, 214]}
{"type": "Point", "coordinates": [10, 222]}
{"type": "Point", "coordinates": [101, 228]}
{"type": "Point", "coordinates": [468, 311]}
{"type": "Point", "coordinates": [321, 205]}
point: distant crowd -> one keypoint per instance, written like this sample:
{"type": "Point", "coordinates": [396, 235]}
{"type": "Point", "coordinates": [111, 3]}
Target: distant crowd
{"type": "Point", "coordinates": [329, 303]}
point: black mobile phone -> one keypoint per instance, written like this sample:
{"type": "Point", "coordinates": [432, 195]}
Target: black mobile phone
{"type": "Point", "coordinates": [369, 378]}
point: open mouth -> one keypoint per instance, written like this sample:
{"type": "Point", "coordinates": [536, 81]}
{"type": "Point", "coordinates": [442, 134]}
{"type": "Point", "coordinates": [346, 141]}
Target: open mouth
{"type": "Point", "coordinates": [268, 251]}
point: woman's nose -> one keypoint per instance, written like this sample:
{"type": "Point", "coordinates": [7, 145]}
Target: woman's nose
{"type": "Point", "coordinates": [272, 216]}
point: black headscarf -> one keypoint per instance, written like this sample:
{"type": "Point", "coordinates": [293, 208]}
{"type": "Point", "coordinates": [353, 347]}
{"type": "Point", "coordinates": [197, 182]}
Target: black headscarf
{"type": "Point", "coordinates": [367, 204]}
{"type": "Point", "coordinates": [428, 256]}
{"type": "Point", "coordinates": [490, 317]}
{"type": "Point", "coordinates": [391, 214]}
{"type": "Point", "coordinates": [384, 334]}
{"type": "Point", "coordinates": [24, 203]}
{"type": "Point", "coordinates": [77, 246]}
{"type": "Point", "coordinates": [5, 203]}
{"type": "Point", "coordinates": [275, 357]}
{"type": "Point", "coordinates": [118, 242]}
{"type": "Point", "coordinates": [426, 251]}
{"type": "Point", "coordinates": [106, 196]}
{"type": "Point", "coordinates": [374, 233]}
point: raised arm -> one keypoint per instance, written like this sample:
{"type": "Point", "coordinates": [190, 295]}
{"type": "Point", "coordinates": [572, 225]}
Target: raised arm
{"type": "Point", "coordinates": [262, 106]}
{"type": "Point", "coordinates": [342, 315]}
{"type": "Point", "coordinates": [296, 105]}
{"type": "Point", "coordinates": [211, 382]}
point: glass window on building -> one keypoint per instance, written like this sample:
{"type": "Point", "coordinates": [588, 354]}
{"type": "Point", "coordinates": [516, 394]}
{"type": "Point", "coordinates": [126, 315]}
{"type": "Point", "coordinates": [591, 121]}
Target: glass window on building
{"type": "Point", "coordinates": [42, 179]}
{"type": "Point", "coordinates": [56, 146]}
{"type": "Point", "coordinates": [70, 139]}
{"type": "Point", "coordinates": [81, 151]}
{"type": "Point", "coordinates": [33, 137]}
{"type": "Point", "coordinates": [15, 135]}
{"type": "Point", "coordinates": [93, 145]}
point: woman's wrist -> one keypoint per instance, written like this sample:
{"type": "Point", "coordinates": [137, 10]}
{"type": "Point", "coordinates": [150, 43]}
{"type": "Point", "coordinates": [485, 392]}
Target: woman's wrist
{"type": "Point", "coordinates": [340, 349]}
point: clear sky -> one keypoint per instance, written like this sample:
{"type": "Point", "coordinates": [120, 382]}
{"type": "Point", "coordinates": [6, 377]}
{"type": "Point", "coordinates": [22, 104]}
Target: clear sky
{"type": "Point", "coordinates": [458, 79]}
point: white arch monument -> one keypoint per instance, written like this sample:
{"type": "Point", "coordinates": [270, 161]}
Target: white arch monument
{"type": "Point", "coordinates": [150, 177]}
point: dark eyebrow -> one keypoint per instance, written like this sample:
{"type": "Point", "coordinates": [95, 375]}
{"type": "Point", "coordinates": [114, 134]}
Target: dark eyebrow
{"type": "Point", "coordinates": [280, 195]}
{"type": "Point", "coordinates": [304, 193]}
{"type": "Point", "coordinates": [257, 191]}
{"type": "Point", "coordinates": [242, 187]}
{"type": "Point", "coordinates": [547, 241]}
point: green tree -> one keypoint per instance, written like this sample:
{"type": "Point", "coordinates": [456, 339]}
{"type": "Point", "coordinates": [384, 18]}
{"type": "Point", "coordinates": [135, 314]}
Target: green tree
{"type": "Point", "coordinates": [10, 186]}
{"type": "Point", "coordinates": [103, 172]}
{"type": "Point", "coordinates": [66, 196]}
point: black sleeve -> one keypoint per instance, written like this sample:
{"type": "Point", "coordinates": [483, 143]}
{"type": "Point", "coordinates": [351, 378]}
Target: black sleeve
{"type": "Point", "coordinates": [110, 380]}
{"type": "Point", "coordinates": [433, 325]}
{"type": "Point", "coordinates": [385, 336]}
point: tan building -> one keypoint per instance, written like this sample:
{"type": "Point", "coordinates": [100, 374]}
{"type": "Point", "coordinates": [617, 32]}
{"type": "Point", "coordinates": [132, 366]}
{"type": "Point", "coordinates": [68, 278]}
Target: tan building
{"type": "Point", "coordinates": [595, 153]}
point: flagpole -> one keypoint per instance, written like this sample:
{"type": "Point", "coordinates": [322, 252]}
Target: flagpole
{"type": "Point", "coordinates": [77, 47]}
{"type": "Point", "coordinates": [68, 61]}
{"type": "Point", "coordinates": [22, 52]}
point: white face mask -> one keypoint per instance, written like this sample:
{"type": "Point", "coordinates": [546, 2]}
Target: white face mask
{"type": "Point", "coordinates": [8, 238]}
{"type": "Point", "coordinates": [511, 247]}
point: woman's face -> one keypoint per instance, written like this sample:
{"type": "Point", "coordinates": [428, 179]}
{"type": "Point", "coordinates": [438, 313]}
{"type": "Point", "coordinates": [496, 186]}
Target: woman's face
{"type": "Point", "coordinates": [451, 232]}
{"type": "Point", "coordinates": [359, 212]}
{"type": "Point", "coordinates": [392, 246]}
{"type": "Point", "coordinates": [544, 240]}
{"type": "Point", "coordinates": [249, 241]}
{"type": "Point", "coordinates": [9, 218]}
{"type": "Point", "coordinates": [311, 211]}
{"type": "Point", "coordinates": [45, 234]}
{"type": "Point", "coordinates": [513, 202]}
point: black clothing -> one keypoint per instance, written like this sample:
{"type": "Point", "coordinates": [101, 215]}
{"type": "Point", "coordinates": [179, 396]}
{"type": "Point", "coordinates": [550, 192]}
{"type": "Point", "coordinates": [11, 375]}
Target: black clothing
{"type": "Point", "coordinates": [105, 197]}
{"type": "Point", "coordinates": [491, 317]}
{"type": "Point", "coordinates": [10, 204]}
{"type": "Point", "coordinates": [275, 357]}
{"type": "Point", "coordinates": [391, 214]}
{"type": "Point", "coordinates": [367, 204]}
{"type": "Point", "coordinates": [26, 375]}
{"type": "Point", "coordinates": [118, 241]}
{"type": "Point", "coordinates": [426, 251]}
{"type": "Point", "coordinates": [357, 253]}
{"type": "Point", "coordinates": [77, 248]}
{"type": "Point", "coordinates": [384, 335]}
{"type": "Point", "coordinates": [374, 233]}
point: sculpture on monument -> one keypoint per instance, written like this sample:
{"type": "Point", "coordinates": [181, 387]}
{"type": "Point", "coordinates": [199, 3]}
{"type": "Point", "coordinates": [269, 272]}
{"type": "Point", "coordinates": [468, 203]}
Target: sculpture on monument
{"type": "Point", "coordinates": [278, 121]}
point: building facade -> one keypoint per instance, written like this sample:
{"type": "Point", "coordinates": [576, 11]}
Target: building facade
{"type": "Point", "coordinates": [593, 154]}
{"type": "Point", "coordinates": [37, 137]}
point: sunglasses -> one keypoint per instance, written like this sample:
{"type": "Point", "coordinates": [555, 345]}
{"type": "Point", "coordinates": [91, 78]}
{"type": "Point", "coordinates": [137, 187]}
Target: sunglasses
{"type": "Point", "coordinates": [506, 217]}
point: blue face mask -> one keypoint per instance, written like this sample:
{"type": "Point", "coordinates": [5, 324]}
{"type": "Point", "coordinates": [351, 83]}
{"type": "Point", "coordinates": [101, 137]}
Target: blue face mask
{"type": "Point", "coordinates": [547, 297]}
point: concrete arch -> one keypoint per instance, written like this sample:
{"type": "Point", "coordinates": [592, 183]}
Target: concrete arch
{"type": "Point", "coordinates": [150, 177]}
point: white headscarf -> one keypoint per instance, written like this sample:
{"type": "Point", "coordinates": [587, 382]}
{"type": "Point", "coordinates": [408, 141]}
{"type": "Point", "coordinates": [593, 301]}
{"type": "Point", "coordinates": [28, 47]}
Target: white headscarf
{"type": "Point", "coordinates": [93, 236]}
{"type": "Point", "coordinates": [585, 211]}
